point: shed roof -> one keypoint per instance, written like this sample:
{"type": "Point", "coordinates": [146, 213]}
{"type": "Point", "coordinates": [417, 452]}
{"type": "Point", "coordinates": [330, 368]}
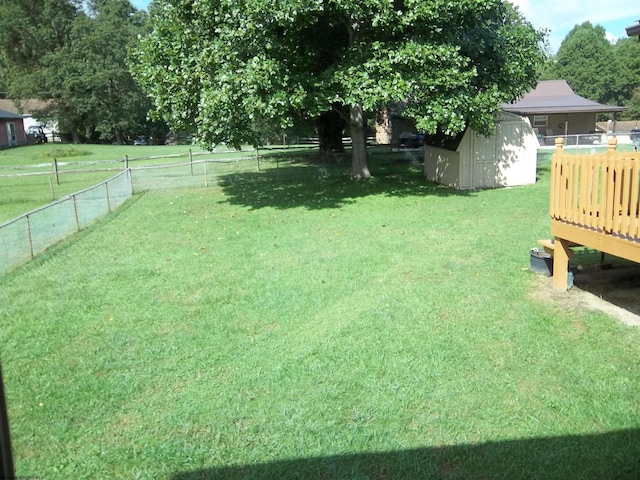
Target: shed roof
{"type": "Point", "coordinates": [556, 96]}
{"type": "Point", "coordinates": [5, 114]}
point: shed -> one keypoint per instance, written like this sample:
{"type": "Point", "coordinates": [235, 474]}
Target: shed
{"type": "Point", "coordinates": [634, 30]}
{"type": "Point", "coordinates": [471, 161]}
{"type": "Point", "coordinates": [11, 130]}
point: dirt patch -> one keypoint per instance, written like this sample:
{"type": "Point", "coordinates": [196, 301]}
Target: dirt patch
{"type": "Point", "coordinates": [611, 289]}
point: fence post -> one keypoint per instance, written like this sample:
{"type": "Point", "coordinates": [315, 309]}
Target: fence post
{"type": "Point", "coordinates": [29, 236]}
{"type": "Point", "coordinates": [204, 166]}
{"type": "Point", "coordinates": [258, 158]}
{"type": "Point", "coordinates": [106, 186]}
{"type": "Point", "coordinates": [191, 162]}
{"type": "Point", "coordinates": [126, 162]}
{"type": "Point", "coordinates": [75, 211]}
{"type": "Point", "coordinates": [55, 170]}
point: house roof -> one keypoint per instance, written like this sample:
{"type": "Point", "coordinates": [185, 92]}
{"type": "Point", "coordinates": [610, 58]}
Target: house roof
{"type": "Point", "coordinates": [633, 30]}
{"type": "Point", "coordinates": [25, 107]}
{"type": "Point", "coordinates": [5, 114]}
{"type": "Point", "coordinates": [556, 96]}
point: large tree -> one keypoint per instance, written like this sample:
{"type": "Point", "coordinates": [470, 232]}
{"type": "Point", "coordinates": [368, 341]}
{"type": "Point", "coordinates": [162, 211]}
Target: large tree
{"type": "Point", "coordinates": [587, 62]}
{"type": "Point", "coordinates": [627, 53]}
{"type": "Point", "coordinates": [218, 68]}
{"type": "Point", "coordinates": [73, 54]}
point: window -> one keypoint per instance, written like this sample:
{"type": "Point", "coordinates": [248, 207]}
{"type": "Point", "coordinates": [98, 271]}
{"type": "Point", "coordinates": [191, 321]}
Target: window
{"type": "Point", "coordinates": [540, 121]}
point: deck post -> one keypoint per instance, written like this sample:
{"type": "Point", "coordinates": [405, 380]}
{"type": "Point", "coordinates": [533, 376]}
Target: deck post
{"type": "Point", "coordinates": [561, 255]}
{"type": "Point", "coordinates": [612, 144]}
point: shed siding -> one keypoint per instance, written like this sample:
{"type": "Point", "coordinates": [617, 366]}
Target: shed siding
{"type": "Point", "coordinates": [507, 158]}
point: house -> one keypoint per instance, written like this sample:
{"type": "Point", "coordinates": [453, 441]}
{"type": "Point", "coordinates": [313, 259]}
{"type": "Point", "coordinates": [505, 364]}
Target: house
{"type": "Point", "coordinates": [12, 131]}
{"type": "Point", "coordinates": [472, 161]}
{"type": "Point", "coordinates": [28, 110]}
{"type": "Point", "coordinates": [554, 109]}
{"type": "Point", "coordinates": [392, 128]}
{"type": "Point", "coordinates": [634, 30]}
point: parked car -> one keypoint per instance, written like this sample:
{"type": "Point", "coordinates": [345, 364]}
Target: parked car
{"type": "Point", "coordinates": [411, 140]}
{"type": "Point", "coordinates": [37, 133]}
{"type": "Point", "coordinates": [635, 137]}
{"type": "Point", "coordinates": [141, 140]}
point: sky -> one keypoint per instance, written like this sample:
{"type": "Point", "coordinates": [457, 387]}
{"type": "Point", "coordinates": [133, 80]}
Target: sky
{"type": "Point", "coordinates": [560, 16]}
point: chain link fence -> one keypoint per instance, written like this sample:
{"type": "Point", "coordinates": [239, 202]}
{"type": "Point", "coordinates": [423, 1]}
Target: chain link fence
{"type": "Point", "coordinates": [278, 167]}
{"type": "Point", "coordinates": [30, 234]}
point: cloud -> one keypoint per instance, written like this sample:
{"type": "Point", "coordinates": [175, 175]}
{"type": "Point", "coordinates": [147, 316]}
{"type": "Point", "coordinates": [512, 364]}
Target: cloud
{"type": "Point", "coordinates": [560, 16]}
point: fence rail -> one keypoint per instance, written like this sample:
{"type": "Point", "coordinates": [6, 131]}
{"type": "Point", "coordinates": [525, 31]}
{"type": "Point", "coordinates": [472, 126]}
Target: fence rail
{"type": "Point", "coordinates": [28, 235]}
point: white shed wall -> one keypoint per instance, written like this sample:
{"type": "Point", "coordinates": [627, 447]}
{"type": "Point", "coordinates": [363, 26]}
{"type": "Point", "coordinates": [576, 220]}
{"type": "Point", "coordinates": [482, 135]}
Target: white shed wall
{"type": "Point", "coordinates": [442, 166]}
{"type": "Point", "coordinates": [507, 158]}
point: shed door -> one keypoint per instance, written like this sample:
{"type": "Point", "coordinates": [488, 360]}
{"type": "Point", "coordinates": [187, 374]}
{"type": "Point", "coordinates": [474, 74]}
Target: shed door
{"type": "Point", "coordinates": [511, 160]}
{"type": "Point", "coordinates": [484, 160]}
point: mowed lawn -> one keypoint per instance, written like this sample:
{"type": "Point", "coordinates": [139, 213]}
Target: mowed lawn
{"type": "Point", "coordinates": [314, 330]}
{"type": "Point", "coordinates": [27, 179]}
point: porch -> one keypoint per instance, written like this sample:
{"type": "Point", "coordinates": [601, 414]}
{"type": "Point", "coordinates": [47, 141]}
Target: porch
{"type": "Point", "coordinates": [595, 202]}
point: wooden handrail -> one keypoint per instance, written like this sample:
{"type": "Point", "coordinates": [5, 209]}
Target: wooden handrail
{"type": "Point", "coordinates": [598, 191]}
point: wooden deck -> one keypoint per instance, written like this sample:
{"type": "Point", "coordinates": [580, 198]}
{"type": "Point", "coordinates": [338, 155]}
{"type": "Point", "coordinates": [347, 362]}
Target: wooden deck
{"type": "Point", "coordinates": [595, 202]}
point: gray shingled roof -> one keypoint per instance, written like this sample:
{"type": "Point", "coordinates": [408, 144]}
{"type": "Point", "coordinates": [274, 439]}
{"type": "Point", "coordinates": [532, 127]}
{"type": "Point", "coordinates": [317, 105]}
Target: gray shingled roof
{"type": "Point", "coordinates": [5, 114]}
{"type": "Point", "coordinates": [633, 30]}
{"type": "Point", "coordinates": [556, 96]}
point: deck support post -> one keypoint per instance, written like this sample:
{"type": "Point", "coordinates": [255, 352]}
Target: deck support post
{"type": "Point", "coordinates": [561, 256]}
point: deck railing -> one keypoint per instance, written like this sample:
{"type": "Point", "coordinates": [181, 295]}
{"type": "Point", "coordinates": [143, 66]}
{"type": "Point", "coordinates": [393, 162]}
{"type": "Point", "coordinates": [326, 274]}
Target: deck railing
{"type": "Point", "coordinates": [595, 202]}
{"type": "Point", "coordinates": [598, 191]}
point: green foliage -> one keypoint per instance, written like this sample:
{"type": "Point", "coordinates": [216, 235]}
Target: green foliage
{"type": "Point", "coordinates": [216, 68]}
{"type": "Point", "coordinates": [587, 61]}
{"type": "Point", "coordinates": [633, 106]}
{"type": "Point", "coordinates": [75, 58]}
{"type": "Point", "coordinates": [627, 51]}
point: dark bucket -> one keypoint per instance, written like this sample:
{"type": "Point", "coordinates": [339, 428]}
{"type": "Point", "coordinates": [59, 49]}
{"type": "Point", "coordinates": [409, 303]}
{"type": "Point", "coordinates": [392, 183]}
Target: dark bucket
{"type": "Point", "coordinates": [541, 262]}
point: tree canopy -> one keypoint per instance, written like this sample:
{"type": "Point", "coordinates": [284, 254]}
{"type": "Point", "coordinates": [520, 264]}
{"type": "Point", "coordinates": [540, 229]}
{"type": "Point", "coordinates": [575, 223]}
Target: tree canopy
{"type": "Point", "coordinates": [586, 61]}
{"type": "Point", "coordinates": [597, 69]}
{"type": "Point", "coordinates": [219, 68]}
{"type": "Point", "coordinates": [73, 54]}
{"type": "Point", "coordinates": [627, 52]}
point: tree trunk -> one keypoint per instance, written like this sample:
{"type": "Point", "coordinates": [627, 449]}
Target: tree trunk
{"type": "Point", "coordinates": [359, 165]}
{"type": "Point", "coordinates": [75, 135]}
{"type": "Point", "coordinates": [330, 126]}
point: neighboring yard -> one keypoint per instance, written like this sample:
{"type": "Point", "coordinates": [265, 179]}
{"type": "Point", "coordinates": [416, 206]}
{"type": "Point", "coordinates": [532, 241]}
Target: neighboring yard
{"type": "Point", "coordinates": [319, 329]}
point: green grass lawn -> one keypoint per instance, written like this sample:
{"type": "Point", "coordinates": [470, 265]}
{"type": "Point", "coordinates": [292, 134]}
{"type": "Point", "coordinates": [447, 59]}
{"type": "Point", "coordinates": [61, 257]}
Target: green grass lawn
{"type": "Point", "coordinates": [324, 329]}
{"type": "Point", "coordinates": [79, 167]}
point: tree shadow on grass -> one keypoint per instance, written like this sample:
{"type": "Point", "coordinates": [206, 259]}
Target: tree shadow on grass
{"type": "Point", "coordinates": [614, 455]}
{"type": "Point", "coordinates": [324, 186]}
